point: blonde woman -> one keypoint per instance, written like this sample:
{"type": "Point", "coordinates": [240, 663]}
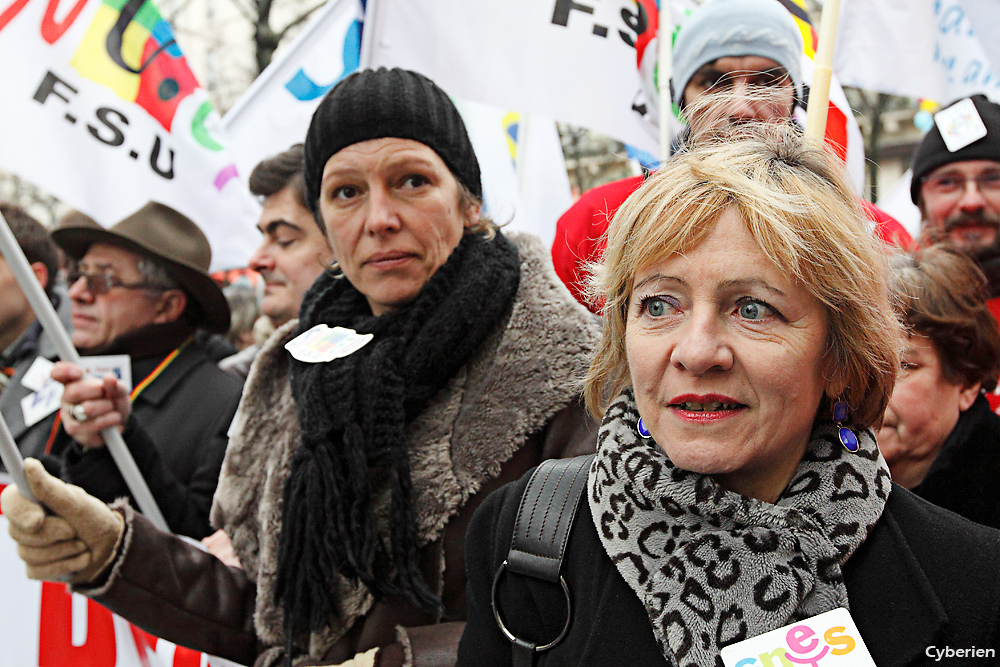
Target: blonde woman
{"type": "Point", "coordinates": [746, 305]}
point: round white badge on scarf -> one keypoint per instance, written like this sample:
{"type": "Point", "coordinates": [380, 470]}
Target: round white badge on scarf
{"type": "Point", "coordinates": [321, 344]}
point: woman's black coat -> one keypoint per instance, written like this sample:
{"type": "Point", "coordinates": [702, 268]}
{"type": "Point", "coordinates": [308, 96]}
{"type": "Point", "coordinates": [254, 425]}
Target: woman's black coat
{"type": "Point", "coordinates": [924, 578]}
{"type": "Point", "coordinates": [965, 476]}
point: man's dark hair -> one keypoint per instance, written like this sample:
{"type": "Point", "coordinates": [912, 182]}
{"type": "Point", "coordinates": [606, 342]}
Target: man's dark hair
{"type": "Point", "coordinates": [34, 240]}
{"type": "Point", "coordinates": [276, 173]}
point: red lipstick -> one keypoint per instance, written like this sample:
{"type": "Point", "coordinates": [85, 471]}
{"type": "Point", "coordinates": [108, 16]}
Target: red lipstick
{"type": "Point", "coordinates": [703, 408]}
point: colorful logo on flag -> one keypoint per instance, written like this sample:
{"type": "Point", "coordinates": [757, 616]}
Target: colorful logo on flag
{"type": "Point", "coordinates": [305, 89]}
{"type": "Point", "coordinates": [511, 123]}
{"type": "Point", "coordinates": [130, 49]}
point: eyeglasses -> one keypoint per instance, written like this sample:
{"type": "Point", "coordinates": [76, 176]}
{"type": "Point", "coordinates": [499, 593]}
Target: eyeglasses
{"type": "Point", "coordinates": [102, 283]}
{"type": "Point", "coordinates": [951, 184]}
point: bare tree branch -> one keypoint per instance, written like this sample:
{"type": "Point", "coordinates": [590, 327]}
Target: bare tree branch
{"type": "Point", "coordinates": [302, 18]}
{"type": "Point", "coordinates": [247, 9]}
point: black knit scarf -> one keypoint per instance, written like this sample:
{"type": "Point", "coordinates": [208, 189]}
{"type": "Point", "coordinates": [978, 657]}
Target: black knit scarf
{"type": "Point", "coordinates": [353, 413]}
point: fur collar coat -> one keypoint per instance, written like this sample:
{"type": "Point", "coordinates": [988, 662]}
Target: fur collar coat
{"type": "Point", "coordinates": [525, 372]}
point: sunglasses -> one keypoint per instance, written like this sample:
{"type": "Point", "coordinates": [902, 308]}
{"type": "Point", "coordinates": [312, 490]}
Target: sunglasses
{"type": "Point", "coordinates": [102, 283]}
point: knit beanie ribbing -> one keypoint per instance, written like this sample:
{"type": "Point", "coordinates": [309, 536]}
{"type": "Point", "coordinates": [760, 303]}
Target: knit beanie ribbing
{"type": "Point", "coordinates": [933, 153]}
{"type": "Point", "coordinates": [726, 28]}
{"type": "Point", "coordinates": [373, 104]}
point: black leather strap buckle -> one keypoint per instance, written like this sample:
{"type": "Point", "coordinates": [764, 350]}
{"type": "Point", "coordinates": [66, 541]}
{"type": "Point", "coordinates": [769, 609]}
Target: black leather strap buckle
{"type": "Point", "coordinates": [541, 534]}
{"type": "Point", "coordinates": [510, 635]}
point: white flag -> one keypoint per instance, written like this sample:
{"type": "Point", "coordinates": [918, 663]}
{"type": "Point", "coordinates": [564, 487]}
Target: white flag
{"type": "Point", "coordinates": [529, 196]}
{"type": "Point", "coordinates": [101, 109]}
{"type": "Point", "coordinates": [275, 110]}
{"type": "Point", "coordinates": [985, 15]}
{"type": "Point", "coordinates": [572, 60]}
{"type": "Point", "coordinates": [931, 49]}
{"type": "Point", "coordinates": [569, 60]}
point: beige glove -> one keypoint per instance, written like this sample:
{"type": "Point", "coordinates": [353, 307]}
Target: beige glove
{"type": "Point", "coordinates": [74, 542]}
{"type": "Point", "coordinates": [366, 659]}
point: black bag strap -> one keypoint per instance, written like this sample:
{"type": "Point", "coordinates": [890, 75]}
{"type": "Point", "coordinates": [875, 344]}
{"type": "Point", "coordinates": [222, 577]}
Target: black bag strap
{"type": "Point", "coordinates": [541, 533]}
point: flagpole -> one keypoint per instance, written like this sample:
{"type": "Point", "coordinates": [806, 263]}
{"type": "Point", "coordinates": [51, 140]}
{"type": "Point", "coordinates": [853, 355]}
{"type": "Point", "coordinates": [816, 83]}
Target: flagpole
{"type": "Point", "coordinates": [369, 34]}
{"type": "Point", "coordinates": [664, 72]}
{"type": "Point", "coordinates": [12, 460]}
{"type": "Point", "coordinates": [819, 91]}
{"type": "Point", "coordinates": [54, 329]}
{"type": "Point", "coordinates": [523, 128]}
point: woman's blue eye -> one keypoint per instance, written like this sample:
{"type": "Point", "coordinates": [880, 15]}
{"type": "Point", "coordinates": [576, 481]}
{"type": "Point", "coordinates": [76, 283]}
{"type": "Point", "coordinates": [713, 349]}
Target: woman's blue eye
{"type": "Point", "coordinates": [655, 307]}
{"type": "Point", "coordinates": [752, 310]}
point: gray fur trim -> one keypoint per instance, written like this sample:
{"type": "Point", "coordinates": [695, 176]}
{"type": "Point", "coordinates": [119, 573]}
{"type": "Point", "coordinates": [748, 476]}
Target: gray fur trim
{"type": "Point", "coordinates": [465, 433]}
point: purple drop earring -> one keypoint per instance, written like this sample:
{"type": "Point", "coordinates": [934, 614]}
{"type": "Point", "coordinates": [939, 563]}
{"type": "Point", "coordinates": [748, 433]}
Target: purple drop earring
{"type": "Point", "coordinates": [847, 437]}
{"type": "Point", "coordinates": [640, 426]}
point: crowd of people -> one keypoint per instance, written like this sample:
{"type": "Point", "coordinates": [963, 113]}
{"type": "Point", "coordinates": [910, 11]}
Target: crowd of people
{"type": "Point", "coordinates": [786, 405]}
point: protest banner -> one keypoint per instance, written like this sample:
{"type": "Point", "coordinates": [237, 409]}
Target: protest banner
{"type": "Point", "coordinates": [44, 625]}
{"type": "Point", "coordinates": [275, 110]}
{"type": "Point", "coordinates": [571, 61]}
{"type": "Point", "coordinates": [587, 63]}
{"type": "Point", "coordinates": [927, 49]}
{"type": "Point", "coordinates": [102, 111]}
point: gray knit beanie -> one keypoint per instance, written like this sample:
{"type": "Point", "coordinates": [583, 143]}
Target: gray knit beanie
{"type": "Point", "coordinates": [724, 28]}
{"type": "Point", "coordinates": [373, 104]}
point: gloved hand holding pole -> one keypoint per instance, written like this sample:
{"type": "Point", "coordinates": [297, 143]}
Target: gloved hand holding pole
{"type": "Point", "coordinates": [71, 537]}
{"type": "Point", "coordinates": [46, 314]}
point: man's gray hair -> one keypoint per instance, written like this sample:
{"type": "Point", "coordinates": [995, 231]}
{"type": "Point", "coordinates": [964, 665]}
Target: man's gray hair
{"type": "Point", "coordinates": [155, 274]}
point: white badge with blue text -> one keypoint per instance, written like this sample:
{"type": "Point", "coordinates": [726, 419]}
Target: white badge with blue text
{"type": "Point", "coordinates": [321, 344]}
{"type": "Point", "coordinates": [119, 366]}
{"type": "Point", "coordinates": [826, 640]}
{"type": "Point", "coordinates": [38, 374]}
{"type": "Point", "coordinates": [39, 405]}
{"type": "Point", "coordinates": [960, 125]}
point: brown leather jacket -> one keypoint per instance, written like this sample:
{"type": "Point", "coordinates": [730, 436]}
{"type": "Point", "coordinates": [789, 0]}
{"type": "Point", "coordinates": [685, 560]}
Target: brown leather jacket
{"type": "Point", "coordinates": [174, 590]}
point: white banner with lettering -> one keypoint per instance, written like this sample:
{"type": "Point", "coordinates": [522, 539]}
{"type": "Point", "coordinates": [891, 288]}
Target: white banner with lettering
{"type": "Point", "coordinates": [577, 61]}
{"type": "Point", "coordinates": [275, 111]}
{"type": "Point", "coordinates": [101, 109]}
{"type": "Point", "coordinates": [572, 61]}
{"type": "Point", "coordinates": [932, 49]}
{"type": "Point", "coordinates": [43, 625]}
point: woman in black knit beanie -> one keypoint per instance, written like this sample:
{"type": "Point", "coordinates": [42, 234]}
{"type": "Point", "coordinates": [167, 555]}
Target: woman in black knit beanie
{"type": "Point", "coordinates": [434, 361]}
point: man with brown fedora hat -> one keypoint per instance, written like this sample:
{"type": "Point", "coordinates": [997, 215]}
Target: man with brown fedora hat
{"type": "Point", "coordinates": [141, 288]}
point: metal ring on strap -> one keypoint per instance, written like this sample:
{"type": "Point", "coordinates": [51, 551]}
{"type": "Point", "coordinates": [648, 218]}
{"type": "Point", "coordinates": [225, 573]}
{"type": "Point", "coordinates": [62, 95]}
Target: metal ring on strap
{"type": "Point", "coordinates": [503, 628]}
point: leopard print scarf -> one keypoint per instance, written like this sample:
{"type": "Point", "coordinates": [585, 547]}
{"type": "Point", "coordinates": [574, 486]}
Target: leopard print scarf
{"type": "Point", "coordinates": [713, 567]}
